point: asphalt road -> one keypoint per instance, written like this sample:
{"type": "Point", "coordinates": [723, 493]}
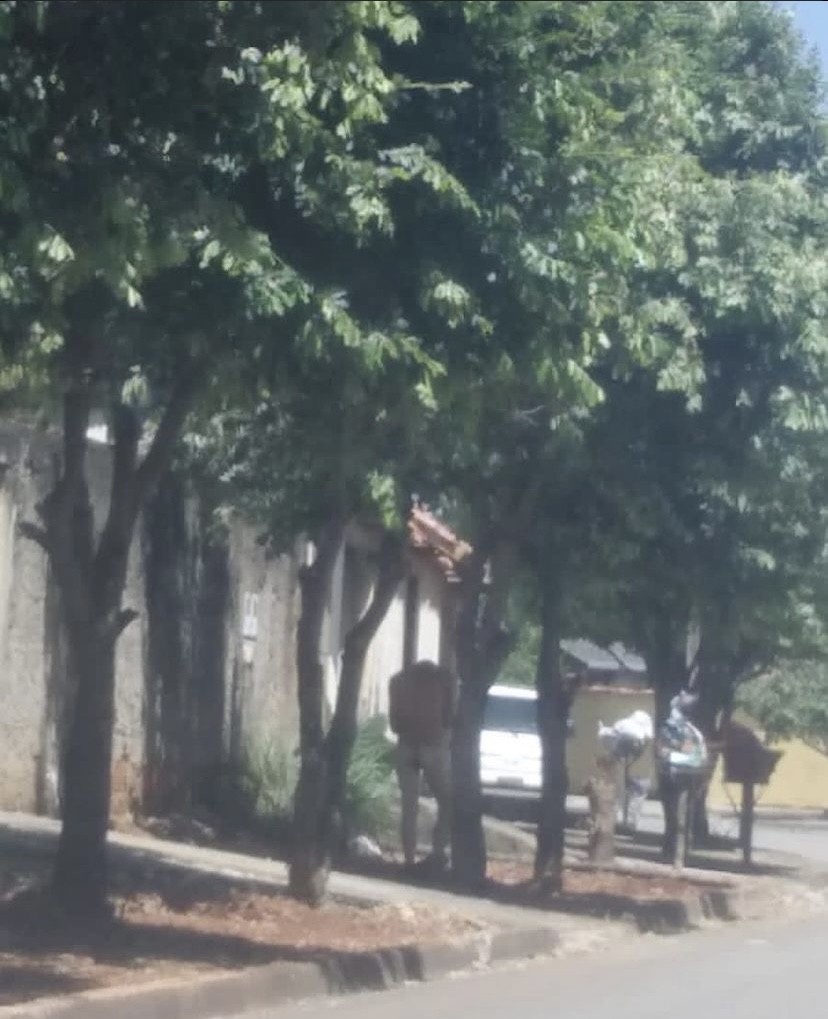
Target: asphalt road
{"type": "Point", "coordinates": [792, 834]}
{"type": "Point", "coordinates": [805, 838]}
{"type": "Point", "coordinates": [797, 836]}
{"type": "Point", "coordinates": [747, 971]}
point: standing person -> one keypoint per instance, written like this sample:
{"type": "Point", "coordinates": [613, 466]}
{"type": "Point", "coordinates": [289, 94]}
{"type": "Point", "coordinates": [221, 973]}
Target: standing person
{"type": "Point", "coordinates": [421, 710]}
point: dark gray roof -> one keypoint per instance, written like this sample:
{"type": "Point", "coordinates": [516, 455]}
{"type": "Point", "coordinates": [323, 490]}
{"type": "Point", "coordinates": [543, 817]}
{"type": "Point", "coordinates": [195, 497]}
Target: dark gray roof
{"type": "Point", "coordinates": [590, 655]}
{"type": "Point", "coordinates": [631, 661]}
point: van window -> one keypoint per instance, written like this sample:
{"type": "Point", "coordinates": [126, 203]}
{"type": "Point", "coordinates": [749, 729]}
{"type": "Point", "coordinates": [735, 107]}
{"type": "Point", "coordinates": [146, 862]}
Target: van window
{"type": "Point", "coordinates": [511, 714]}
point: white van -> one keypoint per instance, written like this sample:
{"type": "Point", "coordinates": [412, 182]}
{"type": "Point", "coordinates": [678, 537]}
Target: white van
{"type": "Point", "coordinates": [510, 747]}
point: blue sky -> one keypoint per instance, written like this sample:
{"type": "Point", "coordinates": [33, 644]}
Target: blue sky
{"type": "Point", "coordinates": [812, 20]}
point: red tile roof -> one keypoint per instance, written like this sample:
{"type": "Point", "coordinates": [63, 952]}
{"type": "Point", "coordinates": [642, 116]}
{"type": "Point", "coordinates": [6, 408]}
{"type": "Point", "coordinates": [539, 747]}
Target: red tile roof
{"type": "Point", "coordinates": [427, 533]}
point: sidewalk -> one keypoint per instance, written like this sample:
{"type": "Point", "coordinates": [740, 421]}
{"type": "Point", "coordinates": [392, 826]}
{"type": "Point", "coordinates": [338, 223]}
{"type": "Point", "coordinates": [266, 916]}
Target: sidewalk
{"type": "Point", "coordinates": [596, 910]}
{"type": "Point", "coordinates": [39, 835]}
{"type": "Point", "coordinates": [206, 983]}
{"type": "Point", "coordinates": [575, 920]}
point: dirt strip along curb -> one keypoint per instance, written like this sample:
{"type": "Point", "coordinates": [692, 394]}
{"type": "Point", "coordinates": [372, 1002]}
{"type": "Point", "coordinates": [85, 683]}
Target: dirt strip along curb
{"type": "Point", "coordinates": [282, 982]}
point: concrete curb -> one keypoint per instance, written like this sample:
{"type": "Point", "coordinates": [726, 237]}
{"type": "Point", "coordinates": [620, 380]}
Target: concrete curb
{"type": "Point", "coordinates": [718, 899]}
{"type": "Point", "coordinates": [733, 904]}
{"type": "Point", "coordinates": [814, 814]}
{"type": "Point", "coordinates": [282, 982]}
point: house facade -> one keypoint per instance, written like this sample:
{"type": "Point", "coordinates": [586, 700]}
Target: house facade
{"type": "Point", "coordinates": [206, 674]}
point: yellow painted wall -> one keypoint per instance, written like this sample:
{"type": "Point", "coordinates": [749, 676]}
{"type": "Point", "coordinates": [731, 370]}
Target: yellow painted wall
{"type": "Point", "coordinates": [603, 704]}
{"type": "Point", "coordinates": [800, 781]}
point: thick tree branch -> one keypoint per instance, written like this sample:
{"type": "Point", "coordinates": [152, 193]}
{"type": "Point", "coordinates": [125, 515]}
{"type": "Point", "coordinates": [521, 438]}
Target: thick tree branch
{"type": "Point", "coordinates": [315, 582]}
{"type": "Point", "coordinates": [166, 436]}
{"type": "Point", "coordinates": [57, 509]}
{"type": "Point", "coordinates": [77, 403]}
{"type": "Point", "coordinates": [35, 533]}
{"type": "Point", "coordinates": [391, 574]}
{"type": "Point", "coordinates": [113, 547]}
{"type": "Point", "coordinates": [66, 511]}
{"type": "Point", "coordinates": [326, 545]}
{"type": "Point", "coordinates": [342, 731]}
{"type": "Point", "coordinates": [132, 483]}
{"type": "Point", "coordinates": [122, 621]}
{"type": "Point", "coordinates": [126, 435]}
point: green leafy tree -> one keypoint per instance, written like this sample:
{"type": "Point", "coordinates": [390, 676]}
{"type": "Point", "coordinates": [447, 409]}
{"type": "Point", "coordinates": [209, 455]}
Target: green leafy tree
{"type": "Point", "coordinates": [735, 515]}
{"type": "Point", "coordinates": [330, 448]}
{"type": "Point", "coordinates": [790, 702]}
{"type": "Point", "coordinates": [145, 153]}
{"type": "Point", "coordinates": [690, 484]}
{"type": "Point", "coordinates": [336, 436]}
{"type": "Point", "coordinates": [716, 460]}
{"type": "Point", "coordinates": [558, 142]}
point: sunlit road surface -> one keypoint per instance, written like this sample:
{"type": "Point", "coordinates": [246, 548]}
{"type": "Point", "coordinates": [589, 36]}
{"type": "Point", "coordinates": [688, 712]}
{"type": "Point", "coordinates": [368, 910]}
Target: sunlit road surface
{"type": "Point", "coordinates": [739, 971]}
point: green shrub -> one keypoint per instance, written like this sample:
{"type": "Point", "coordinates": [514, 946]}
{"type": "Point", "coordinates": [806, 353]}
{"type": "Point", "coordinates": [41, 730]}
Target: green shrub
{"type": "Point", "coordinates": [370, 787]}
{"type": "Point", "coordinates": [270, 773]}
{"type": "Point", "coordinates": [268, 781]}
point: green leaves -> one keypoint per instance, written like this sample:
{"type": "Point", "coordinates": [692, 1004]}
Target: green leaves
{"type": "Point", "coordinates": [412, 163]}
{"type": "Point", "coordinates": [468, 248]}
{"type": "Point", "coordinates": [450, 300]}
{"type": "Point", "coordinates": [55, 248]}
{"type": "Point", "coordinates": [791, 702]}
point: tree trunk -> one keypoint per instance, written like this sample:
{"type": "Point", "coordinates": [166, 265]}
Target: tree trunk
{"type": "Point", "coordinates": [682, 815]}
{"type": "Point", "coordinates": [482, 645]}
{"type": "Point", "coordinates": [699, 823]}
{"type": "Point", "coordinates": [309, 859]}
{"type": "Point", "coordinates": [94, 620]}
{"type": "Point", "coordinates": [468, 843]}
{"type": "Point", "coordinates": [746, 818]}
{"type": "Point", "coordinates": [666, 666]}
{"type": "Point", "coordinates": [91, 576]}
{"type": "Point", "coordinates": [80, 874]}
{"type": "Point", "coordinates": [717, 676]}
{"type": "Point", "coordinates": [170, 709]}
{"type": "Point", "coordinates": [339, 742]}
{"type": "Point", "coordinates": [554, 702]}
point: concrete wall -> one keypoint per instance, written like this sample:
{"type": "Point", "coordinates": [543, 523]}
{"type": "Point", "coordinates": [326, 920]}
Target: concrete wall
{"type": "Point", "coordinates": [23, 665]}
{"type": "Point", "coordinates": [262, 617]}
{"type": "Point", "coordinates": [385, 657]}
{"type": "Point", "coordinates": [603, 704]}
{"type": "Point", "coordinates": [193, 693]}
{"type": "Point", "coordinates": [207, 673]}
{"type": "Point", "coordinates": [431, 588]}
{"type": "Point", "coordinates": [352, 588]}
{"type": "Point", "coordinates": [799, 781]}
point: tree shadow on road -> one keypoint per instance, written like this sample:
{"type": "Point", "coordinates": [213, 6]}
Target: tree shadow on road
{"type": "Point", "coordinates": [718, 855]}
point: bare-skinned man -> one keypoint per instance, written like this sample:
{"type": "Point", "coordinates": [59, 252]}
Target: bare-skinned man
{"type": "Point", "coordinates": [422, 700]}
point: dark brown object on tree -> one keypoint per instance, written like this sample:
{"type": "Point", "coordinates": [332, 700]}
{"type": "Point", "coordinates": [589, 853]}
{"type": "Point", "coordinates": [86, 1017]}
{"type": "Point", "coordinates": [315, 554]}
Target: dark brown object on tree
{"type": "Point", "coordinates": [748, 762]}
